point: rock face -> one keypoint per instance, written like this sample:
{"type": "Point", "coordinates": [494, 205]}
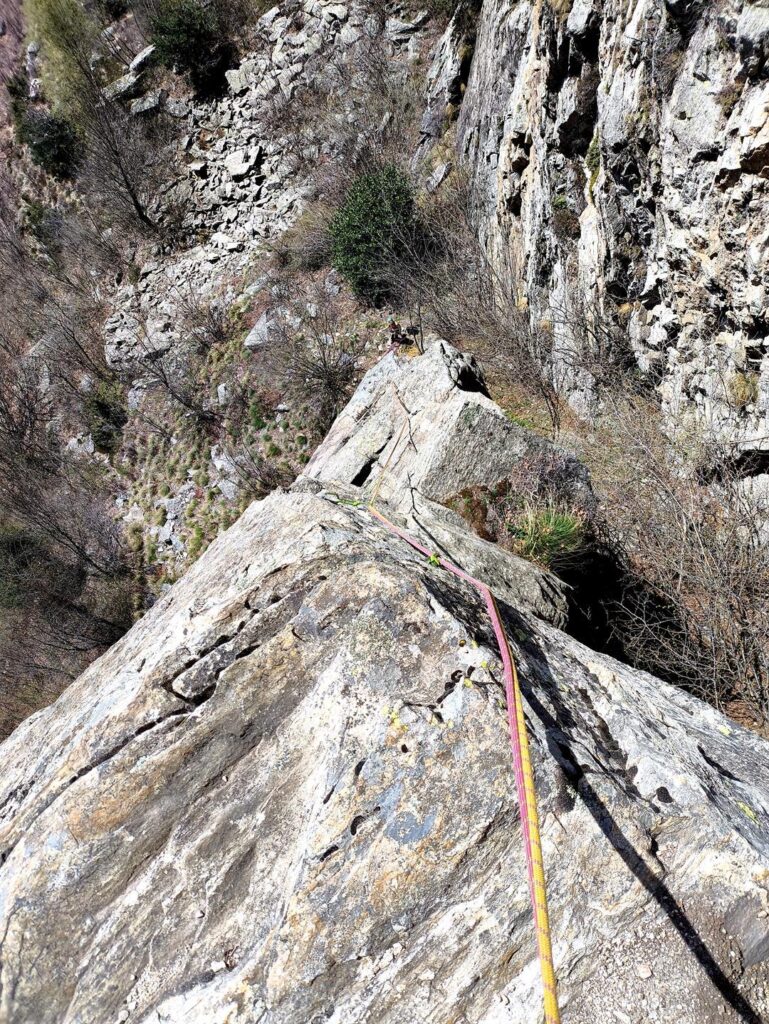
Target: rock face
{"type": "Point", "coordinates": [619, 152]}
{"type": "Point", "coordinates": [286, 795]}
{"type": "Point", "coordinates": [417, 433]}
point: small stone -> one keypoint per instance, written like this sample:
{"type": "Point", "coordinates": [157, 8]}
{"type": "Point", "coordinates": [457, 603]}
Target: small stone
{"type": "Point", "coordinates": [644, 971]}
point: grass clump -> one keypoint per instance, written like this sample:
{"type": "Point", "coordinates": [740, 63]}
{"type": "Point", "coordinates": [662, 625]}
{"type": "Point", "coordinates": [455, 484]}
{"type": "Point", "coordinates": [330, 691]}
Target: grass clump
{"type": "Point", "coordinates": [743, 389]}
{"type": "Point", "coordinates": [548, 535]}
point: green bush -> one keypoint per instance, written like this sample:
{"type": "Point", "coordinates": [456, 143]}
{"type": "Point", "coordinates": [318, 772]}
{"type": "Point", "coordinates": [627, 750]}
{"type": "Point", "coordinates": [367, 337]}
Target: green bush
{"type": "Point", "coordinates": [192, 38]}
{"type": "Point", "coordinates": [52, 141]}
{"type": "Point", "coordinates": [17, 94]}
{"type": "Point", "coordinates": [18, 550]}
{"type": "Point", "coordinates": [106, 416]}
{"type": "Point", "coordinates": [197, 542]}
{"type": "Point", "coordinates": [372, 229]}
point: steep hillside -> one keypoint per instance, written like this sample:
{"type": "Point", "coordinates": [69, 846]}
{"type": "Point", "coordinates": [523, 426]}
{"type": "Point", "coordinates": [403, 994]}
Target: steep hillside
{"type": "Point", "coordinates": [286, 794]}
{"type": "Point", "coordinates": [499, 268]}
{"type": "Point", "coordinates": [583, 209]}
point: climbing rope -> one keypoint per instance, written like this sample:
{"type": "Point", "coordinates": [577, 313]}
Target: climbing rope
{"type": "Point", "coordinates": [519, 742]}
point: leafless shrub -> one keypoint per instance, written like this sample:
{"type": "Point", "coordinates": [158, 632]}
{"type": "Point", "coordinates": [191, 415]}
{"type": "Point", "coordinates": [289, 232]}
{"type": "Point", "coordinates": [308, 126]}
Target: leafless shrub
{"type": "Point", "coordinates": [444, 277]}
{"type": "Point", "coordinates": [307, 243]}
{"type": "Point", "coordinates": [171, 369]}
{"type": "Point", "coordinates": [257, 475]}
{"type": "Point", "coordinates": [55, 618]}
{"type": "Point", "coordinates": [175, 364]}
{"type": "Point", "coordinates": [361, 106]}
{"type": "Point", "coordinates": [298, 122]}
{"type": "Point", "coordinates": [207, 321]}
{"type": "Point", "coordinates": [692, 537]}
{"type": "Point", "coordinates": [594, 349]}
{"type": "Point", "coordinates": [313, 361]}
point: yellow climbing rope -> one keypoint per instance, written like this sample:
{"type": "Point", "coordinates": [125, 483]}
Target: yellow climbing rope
{"type": "Point", "coordinates": [519, 741]}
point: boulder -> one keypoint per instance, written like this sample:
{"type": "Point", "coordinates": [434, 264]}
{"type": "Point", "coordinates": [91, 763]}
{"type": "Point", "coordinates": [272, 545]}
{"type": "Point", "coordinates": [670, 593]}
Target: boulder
{"type": "Point", "coordinates": [259, 334]}
{"type": "Point", "coordinates": [287, 796]}
{"type": "Point", "coordinates": [125, 87]}
{"type": "Point", "coordinates": [427, 427]}
{"type": "Point", "coordinates": [240, 163]}
{"type": "Point", "coordinates": [143, 59]}
{"type": "Point", "coordinates": [151, 103]}
{"type": "Point", "coordinates": [240, 78]}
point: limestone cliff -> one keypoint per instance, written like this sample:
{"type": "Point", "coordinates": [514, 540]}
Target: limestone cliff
{"type": "Point", "coordinates": [618, 159]}
{"type": "Point", "coordinates": [286, 795]}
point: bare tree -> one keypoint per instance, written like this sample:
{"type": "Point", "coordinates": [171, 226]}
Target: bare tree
{"type": "Point", "coordinates": [127, 162]}
{"type": "Point", "coordinates": [312, 359]}
{"type": "Point", "coordinates": [691, 534]}
{"type": "Point", "coordinates": [125, 159]}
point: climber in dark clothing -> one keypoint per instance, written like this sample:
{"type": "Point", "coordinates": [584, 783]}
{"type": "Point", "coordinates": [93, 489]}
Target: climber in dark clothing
{"type": "Point", "coordinates": [397, 337]}
{"type": "Point", "coordinates": [400, 337]}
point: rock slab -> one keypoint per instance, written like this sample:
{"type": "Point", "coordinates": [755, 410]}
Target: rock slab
{"type": "Point", "coordinates": [286, 796]}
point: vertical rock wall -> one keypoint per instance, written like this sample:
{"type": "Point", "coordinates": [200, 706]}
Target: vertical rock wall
{"type": "Point", "coordinates": [619, 155]}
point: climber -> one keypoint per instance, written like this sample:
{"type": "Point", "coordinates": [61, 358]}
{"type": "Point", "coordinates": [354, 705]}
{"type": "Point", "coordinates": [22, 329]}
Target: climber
{"type": "Point", "coordinates": [397, 336]}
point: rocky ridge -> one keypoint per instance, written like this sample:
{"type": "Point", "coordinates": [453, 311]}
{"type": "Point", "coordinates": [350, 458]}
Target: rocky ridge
{"type": "Point", "coordinates": [286, 794]}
